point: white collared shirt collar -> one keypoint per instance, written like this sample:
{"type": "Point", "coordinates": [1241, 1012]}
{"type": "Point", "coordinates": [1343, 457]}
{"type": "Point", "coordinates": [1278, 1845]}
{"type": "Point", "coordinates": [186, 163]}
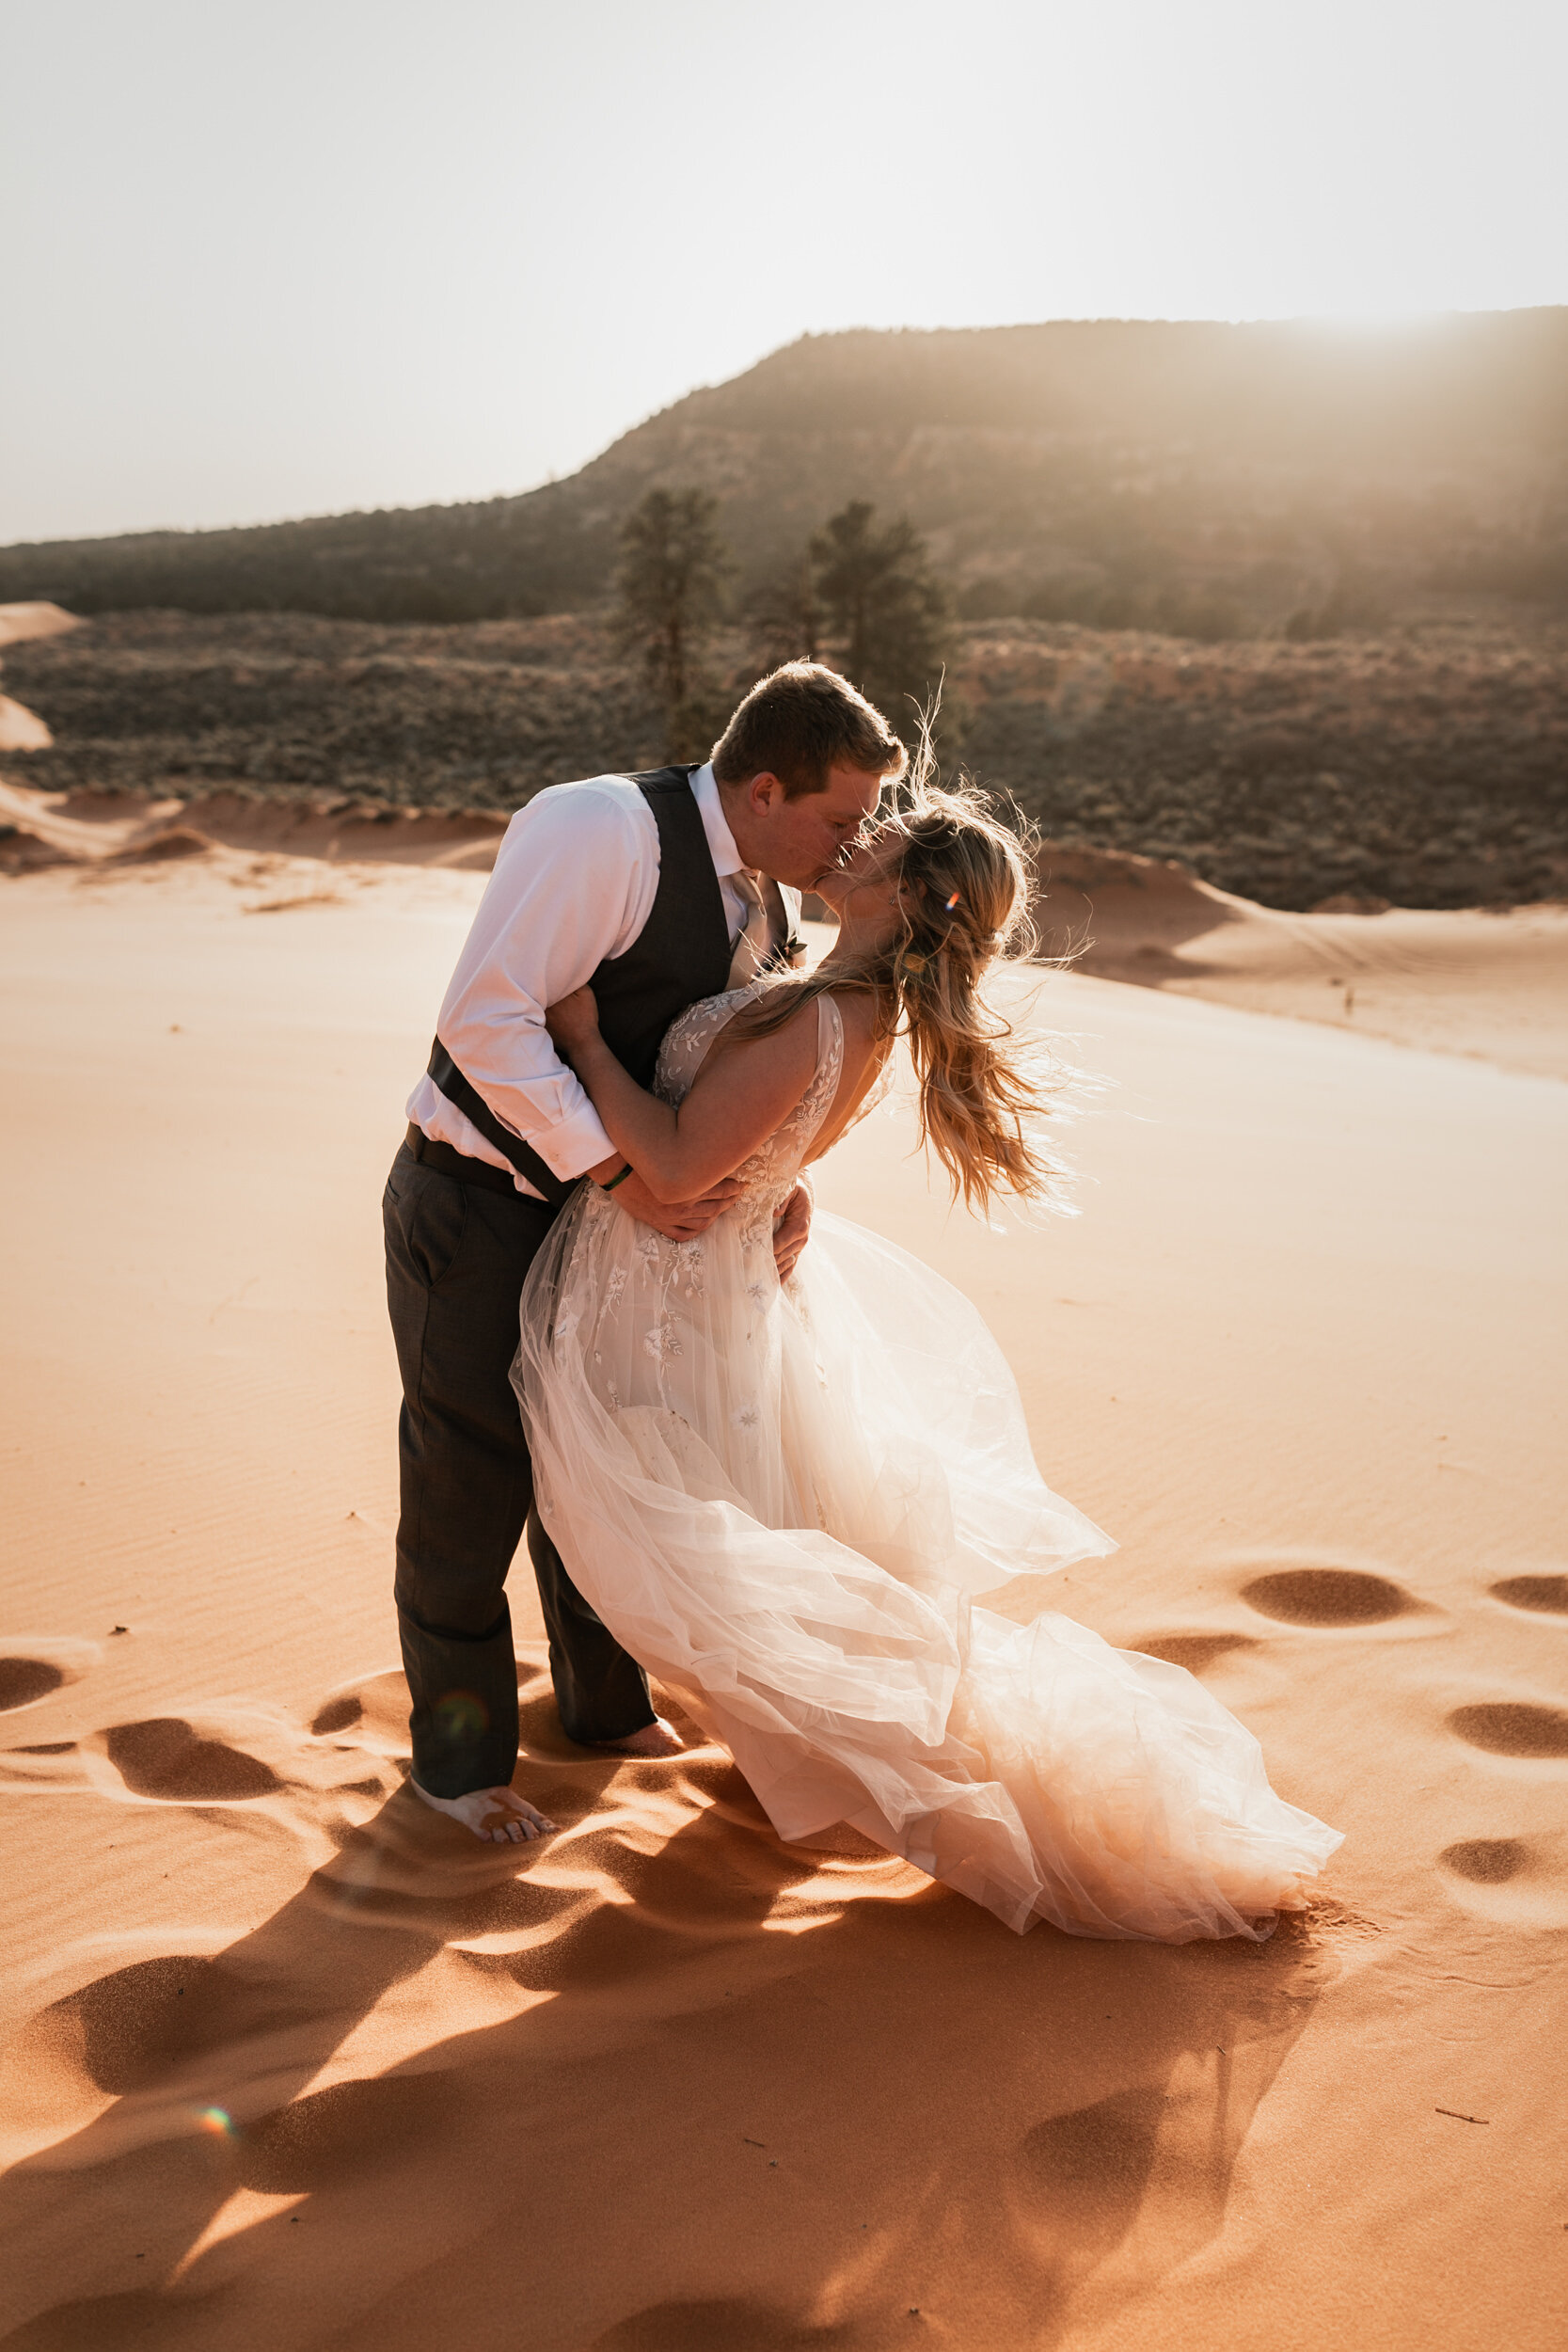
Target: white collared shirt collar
{"type": "Point", "coordinates": [726, 858]}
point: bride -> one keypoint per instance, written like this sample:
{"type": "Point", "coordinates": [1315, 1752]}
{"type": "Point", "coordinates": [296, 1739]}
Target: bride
{"type": "Point", "coordinates": [784, 1499]}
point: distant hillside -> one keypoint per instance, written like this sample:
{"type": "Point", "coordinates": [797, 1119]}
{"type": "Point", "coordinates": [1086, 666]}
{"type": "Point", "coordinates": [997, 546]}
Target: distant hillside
{"type": "Point", "coordinates": [1209, 480]}
{"type": "Point", "coordinates": [1430, 768]}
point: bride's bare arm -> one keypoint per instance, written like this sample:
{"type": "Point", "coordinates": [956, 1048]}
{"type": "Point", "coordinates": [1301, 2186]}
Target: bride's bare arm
{"type": "Point", "coordinates": [740, 1097]}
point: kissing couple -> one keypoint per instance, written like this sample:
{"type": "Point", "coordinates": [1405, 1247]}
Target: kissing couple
{"type": "Point", "coordinates": [763, 1456]}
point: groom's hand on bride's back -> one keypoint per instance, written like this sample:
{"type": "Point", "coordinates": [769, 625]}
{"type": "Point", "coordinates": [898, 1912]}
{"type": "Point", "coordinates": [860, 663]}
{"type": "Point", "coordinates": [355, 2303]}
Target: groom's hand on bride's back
{"type": "Point", "coordinates": [792, 1230]}
{"type": "Point", "coordinates": [678, 1220]}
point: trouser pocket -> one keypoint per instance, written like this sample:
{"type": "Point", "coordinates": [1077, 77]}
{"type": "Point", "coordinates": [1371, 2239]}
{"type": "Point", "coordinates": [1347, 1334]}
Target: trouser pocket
{"type": "Point", "coordinates": [425, 1217]}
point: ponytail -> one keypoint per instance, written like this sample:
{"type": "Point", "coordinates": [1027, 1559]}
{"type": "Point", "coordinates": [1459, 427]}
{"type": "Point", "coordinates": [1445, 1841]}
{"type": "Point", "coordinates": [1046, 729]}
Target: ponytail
{"type": "Point", "coordinates": [984, 1093]}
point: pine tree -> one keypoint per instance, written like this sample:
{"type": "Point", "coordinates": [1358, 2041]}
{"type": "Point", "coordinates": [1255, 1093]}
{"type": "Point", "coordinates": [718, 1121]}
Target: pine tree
{"type": "Point", "coordinates": [883, 602]}
{"type": "Point", "coordinates": [670, 592]}
{"type": "Point", "coordinates": [786, 615]}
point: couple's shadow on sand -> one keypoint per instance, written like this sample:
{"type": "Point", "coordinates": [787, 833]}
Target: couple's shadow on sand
{"type": "Point", "coordinates": [660, 2083]}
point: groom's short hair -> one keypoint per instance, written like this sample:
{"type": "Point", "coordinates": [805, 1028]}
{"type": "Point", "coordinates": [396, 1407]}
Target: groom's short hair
{"type": "Point", "coordinates": [798, 723]}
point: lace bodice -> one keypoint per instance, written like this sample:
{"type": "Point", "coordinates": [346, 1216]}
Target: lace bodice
{"type": "Point", "coordinates": [771, 1173]}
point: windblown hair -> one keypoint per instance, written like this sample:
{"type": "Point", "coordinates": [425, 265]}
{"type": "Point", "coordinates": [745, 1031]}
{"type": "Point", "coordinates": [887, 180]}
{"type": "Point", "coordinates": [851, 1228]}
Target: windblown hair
{"type": "Point", "coordinates": [985, 1092]}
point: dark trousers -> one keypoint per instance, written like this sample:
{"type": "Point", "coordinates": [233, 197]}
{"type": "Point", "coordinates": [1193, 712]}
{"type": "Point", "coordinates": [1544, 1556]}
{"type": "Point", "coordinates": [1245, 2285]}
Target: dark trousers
{"type": "Point", "coordinates": [456, 1256]}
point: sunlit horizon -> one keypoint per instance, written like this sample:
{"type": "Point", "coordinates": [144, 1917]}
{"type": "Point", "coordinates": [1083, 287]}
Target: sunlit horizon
{"type": "Point", "coordinates": [301, 263]}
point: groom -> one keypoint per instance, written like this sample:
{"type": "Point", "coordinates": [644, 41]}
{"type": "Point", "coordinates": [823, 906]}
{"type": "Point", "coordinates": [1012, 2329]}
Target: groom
{"type": "Point", "coordinates": [655, 889]}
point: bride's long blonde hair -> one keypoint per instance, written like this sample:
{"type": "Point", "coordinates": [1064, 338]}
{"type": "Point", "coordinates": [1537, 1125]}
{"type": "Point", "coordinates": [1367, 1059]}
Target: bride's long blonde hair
{"type": "Point", "coordinates": [985, 1092]}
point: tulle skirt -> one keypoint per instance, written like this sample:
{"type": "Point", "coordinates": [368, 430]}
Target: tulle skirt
{"type": "Point", "coordinates": [783, 1502]}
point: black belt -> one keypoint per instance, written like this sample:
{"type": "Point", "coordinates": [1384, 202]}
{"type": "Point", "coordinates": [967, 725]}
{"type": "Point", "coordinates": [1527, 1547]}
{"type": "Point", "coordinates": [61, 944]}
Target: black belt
{"type": "Point", "coordinates": [469, 1171]}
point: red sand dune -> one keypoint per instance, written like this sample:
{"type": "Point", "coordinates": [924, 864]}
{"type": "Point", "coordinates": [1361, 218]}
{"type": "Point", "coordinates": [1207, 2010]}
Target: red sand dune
{"type": "Point", "coordinates": [290, 2064]}
{"type": "Point", "coordinates": [22, 730]}
{"type": "Point", "coordinates": [1486, 982]}
{"type": "Point", "coordinates": [19, 622]}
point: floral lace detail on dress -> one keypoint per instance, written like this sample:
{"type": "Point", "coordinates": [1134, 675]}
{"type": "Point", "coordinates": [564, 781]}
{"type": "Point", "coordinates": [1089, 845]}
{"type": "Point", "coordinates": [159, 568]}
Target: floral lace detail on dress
{"type": "Point", "coordinates": [689, 1036]}
{"type": "Point", "coordinates": [655, 1287]}
{"type": "Point", "coordinates": [769, 1175]}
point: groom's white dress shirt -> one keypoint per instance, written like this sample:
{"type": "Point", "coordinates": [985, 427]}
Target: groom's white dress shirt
{"type": "Point", "coordinates": [574, 882]}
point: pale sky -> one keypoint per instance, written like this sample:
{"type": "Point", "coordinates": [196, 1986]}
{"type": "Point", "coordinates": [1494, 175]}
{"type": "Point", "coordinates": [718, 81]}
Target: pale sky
{"type": "Point", "coordinates": [261, 261]}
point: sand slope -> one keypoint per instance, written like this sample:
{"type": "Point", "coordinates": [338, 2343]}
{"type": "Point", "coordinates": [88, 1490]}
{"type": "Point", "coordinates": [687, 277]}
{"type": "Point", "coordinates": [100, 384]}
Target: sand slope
{"type": "Point", "coordinates": [1492, 982]}
{"type": "Point", "coordinates": [102, 828]}
{"type": "Point", "coordinates": [20, 622]}
{"type": "Point", "coordinates": [289, 2065]}
{"type": "Point", "coordinates": [20, 729]}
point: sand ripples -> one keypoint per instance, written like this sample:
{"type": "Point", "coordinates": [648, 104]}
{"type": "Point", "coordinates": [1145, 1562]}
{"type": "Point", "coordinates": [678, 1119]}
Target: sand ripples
{"type": "Point", "coordinates": [424, 2018]}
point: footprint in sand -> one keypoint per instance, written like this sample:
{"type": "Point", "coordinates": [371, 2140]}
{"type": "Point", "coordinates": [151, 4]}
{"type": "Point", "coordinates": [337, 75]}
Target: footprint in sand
{"type": "Point", "coordinates": [1095, 2154]}
{"type": "Point", "coordinates": [1547, 1596]}
{"type": "Point", "coordinates": [1196, 1651]}
{"type": "Point", "coordinates": [371, 1712]}
{"type": "Point", "coordinates": [25, 1681]}
{"type": "Point", "coordinates": [1512, 1727]}
{"type": "Point", "coordinates": [130, 2029]}
{"type": "Point", "coordinates": [1518, 1879]}
{"type": "Point", "coordinates": [338, 1714]}
{"type": "Point", "coordinates": [1486, 1861]}
{"type": "Point", "coordinates": [125, 2030]}
{"type": "Point", "coordinates": [722, 2326]}
{"type": "Point", "coordinates": [165, 1757]}
{"type": "Point", "coordinates": [355, 2127]}
{"type": "Point", "coordinates": [1328, 1597]}
{"type": "Point", "coordinates": [1083, 2176]}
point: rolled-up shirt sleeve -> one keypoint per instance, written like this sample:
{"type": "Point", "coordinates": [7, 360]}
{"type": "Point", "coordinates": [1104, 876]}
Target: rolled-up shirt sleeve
{"type": "Point", "coordinates": [573, 883]}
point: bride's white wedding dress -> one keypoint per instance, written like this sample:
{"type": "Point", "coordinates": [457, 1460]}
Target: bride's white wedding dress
{"type": "Point", "coordinates": [782, 1500]}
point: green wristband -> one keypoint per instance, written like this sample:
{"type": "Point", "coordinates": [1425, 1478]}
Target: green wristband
{"type": "Point", "coordinates": [617, 1179]}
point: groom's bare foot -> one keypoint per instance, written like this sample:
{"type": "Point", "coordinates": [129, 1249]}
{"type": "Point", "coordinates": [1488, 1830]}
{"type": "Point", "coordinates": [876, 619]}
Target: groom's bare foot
{"type": "Point", "coordinates": [655, 1738]}
{"type": "Point", "coordinates": [495, 1816]}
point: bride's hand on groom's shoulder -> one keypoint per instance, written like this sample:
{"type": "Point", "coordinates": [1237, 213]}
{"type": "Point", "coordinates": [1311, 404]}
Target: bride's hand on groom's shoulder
{"type": "Point", "coordinates": [574, 1021]}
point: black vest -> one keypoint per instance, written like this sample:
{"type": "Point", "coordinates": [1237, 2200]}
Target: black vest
{"type": "Point", "coordinates": [683, 950]}
{"type": "Point", "coordinates": [682, 953]}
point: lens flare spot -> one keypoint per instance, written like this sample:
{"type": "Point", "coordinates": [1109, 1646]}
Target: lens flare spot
{"type": "Point", "coordinates": [218, 2121]}
{"type": "Point", "coordinates": [461, 1717]}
